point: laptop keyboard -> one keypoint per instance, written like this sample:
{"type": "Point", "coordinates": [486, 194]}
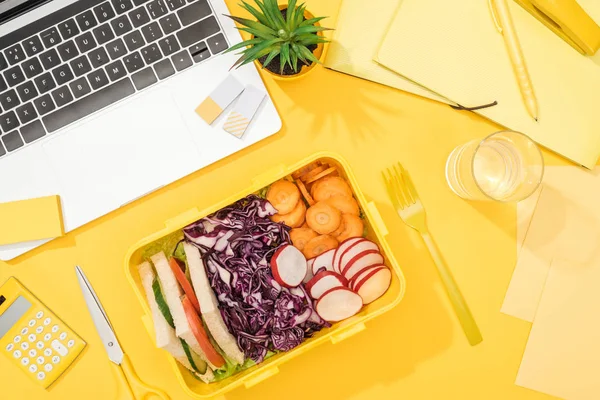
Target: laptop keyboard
{"type": "Point", "coordinates": [93, 53]}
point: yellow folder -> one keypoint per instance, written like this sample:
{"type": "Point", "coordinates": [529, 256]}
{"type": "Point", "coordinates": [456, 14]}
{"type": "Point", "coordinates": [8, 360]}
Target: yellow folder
{"type": "Point", "coordinates": [454, 49]}
{"type": "Point", "coordinates": [32, 219]}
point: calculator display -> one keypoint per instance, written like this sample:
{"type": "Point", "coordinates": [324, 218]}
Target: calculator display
{"type": "Point", "coordinates": [13, 314]}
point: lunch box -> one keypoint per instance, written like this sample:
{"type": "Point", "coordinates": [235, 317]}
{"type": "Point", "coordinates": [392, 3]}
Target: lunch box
{"type": "Point", "coordinates": [336, 333]}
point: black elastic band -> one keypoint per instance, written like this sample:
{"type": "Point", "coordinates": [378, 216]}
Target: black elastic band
{"type": "Point", "coordinates": [459, 107]}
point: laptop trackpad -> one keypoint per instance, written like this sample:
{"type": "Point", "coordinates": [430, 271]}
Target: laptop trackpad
{"type": "Point", "coordinates": [120, 155]}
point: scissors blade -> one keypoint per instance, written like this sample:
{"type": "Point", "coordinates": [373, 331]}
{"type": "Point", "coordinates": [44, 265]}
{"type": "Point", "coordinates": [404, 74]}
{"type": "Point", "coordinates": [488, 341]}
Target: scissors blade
{"type": "Point", "coordinates": [103, 326]}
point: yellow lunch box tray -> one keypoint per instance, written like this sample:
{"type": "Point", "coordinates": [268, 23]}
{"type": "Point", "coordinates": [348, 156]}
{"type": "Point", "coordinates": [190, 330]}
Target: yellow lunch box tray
{"type": "Point", "coordinates": [377, 232]}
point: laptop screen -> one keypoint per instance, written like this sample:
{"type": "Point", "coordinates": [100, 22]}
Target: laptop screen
{"type": "Point", "coordinates": [10, 9]}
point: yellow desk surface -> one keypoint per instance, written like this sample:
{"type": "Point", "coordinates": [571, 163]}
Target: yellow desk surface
{"type": "Point", "coordinates": [416, 351]}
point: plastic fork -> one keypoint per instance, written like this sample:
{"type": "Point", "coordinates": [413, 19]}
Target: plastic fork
{"type": "Point", "coordinates": [408, 205]}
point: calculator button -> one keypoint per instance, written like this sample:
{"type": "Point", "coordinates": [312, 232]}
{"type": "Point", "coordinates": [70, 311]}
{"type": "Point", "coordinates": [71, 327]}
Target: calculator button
{"type": "Point", "coordinates": [47, 337]}
{"type": "Point", "coordinates": [63, 336]}
{"type": "Point", "coordinates": [40, 360]}
{"type": "Point", "coordinates": [39, 314]}
{"type": "Point", "coordinates": [39, 329]}
{"type": "Point", "coordinates": [41, 375]}
{"type": "Point", "coordinates": [17, 354]}
{"type": "Point", "coordinates": [70, 343]}
{"type": "Point", "coordinates": [10, 347]}
{"type": "Point", "coordinates": [32, 338]}
{"type": "Point", "coordinates": [17, 339]}
{"type": "Point", "coordinates": [60, 349]}
{"type": "Point", "coordinates": [47, 321]}
{"type": "Point", "coordinates": [55, 329]}
{"type": "Point", "coordinates": [33, 368]}
{"type": "Point", "coordinates": [39, 345]}
{"type": "Point", "coordinates": [55, 360]}
{"type": "Point", "coordinates": [48, 367]}
{"type": "Point", "coordinates": [32, 353]}
{"type": "Point", "coordinates": [48, 352]}
{"type": "Point", "coordinates": [25, 345]}
{"type": "Point", "coordinates": [25, 361]}
{"type": "Point", "coordinates": [24, 331]}
{"type": "Point", "coordinates": [31, 323]}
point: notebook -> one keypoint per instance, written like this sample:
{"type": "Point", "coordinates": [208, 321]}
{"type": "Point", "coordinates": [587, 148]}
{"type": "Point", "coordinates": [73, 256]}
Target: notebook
{"type": "Point", "coordinates": [357, 36]}
{"type": "Point", "coordinates": [454, 49]}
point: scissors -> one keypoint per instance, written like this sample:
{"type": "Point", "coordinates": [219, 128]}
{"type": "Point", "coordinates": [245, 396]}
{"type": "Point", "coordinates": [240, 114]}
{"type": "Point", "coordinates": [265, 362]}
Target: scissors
{"type": "Point", "coordinates": [135, 388]}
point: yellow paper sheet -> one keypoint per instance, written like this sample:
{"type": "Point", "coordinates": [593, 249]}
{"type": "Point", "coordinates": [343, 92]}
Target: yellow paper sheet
{"type": "Point", "coordinates": [30, 219]}
{"type": "Point", "coordinates": [454, 49]}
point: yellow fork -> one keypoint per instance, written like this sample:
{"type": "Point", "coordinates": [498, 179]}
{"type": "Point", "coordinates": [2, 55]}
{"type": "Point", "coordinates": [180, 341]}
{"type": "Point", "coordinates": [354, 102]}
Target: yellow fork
{"type": "Point", "coordinates": [408, 205]}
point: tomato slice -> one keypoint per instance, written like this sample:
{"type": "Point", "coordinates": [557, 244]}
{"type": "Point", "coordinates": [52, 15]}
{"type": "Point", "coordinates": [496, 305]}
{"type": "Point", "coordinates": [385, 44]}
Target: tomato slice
{"type": "Point", "coordinates": [200, 334]}
{"type": "Point", "coordinates": [184, 283]}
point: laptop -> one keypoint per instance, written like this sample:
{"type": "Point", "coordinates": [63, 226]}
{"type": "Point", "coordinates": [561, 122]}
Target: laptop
{"type": "Point", "coordinates": [97, 100]}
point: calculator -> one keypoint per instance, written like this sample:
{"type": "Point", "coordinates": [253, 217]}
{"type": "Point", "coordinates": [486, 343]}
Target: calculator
{"type": "Point", "coordinates": [32, 337]}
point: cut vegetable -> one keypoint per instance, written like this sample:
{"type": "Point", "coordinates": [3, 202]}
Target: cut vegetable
{"type": "Point", "coordinates": [305, 193]}
{"type": "Point", "coordinates": [321, 174]}
{"type": "Point", "coordinates": [360, 262]}
{"type": "Point", "coordinates": [293, 219]}
{"type": "Point", "coordinates": [162, 303]}
{"type": "Point", "coordinates": [284, 196]}
{"type": "Point", "coordinates": [339, 252]}
{"type": "Point", "coordinates": [184, 283]}
{"type": "Point", "coordinates": [288, 266]}
{"type": "Point", "coordinates": [316, 171]}
{"type": "Point", "coordinates": [338, 303]}
{"type": "Point", "coordinates": [309, 273]}
{"type": "Point", "coordinates": [353, 227]}
{"type": "Point", "coordinates": [357, 277]}
{"type": "Point", "coordinates": [304, 170]}
{"type": "Point", "coordinates": [301, 236]}
{"type": "Point", "coordinates": [346, 205]}
{"type": "Point", "coordinates": [330, 186]}
{"type": "Point", "coordinates": [319, 245]}
{"type": "Point", "coordinates": [200, 334]}
{"type": "Point", "coordinates": [323, 218]}
{"type": "Point", "coordinates": [324, 260]}
{"type": "Point", "coordinates": [374, 284]}
{"type": "Point", "coordinates": [197, 363]}
{"type": "Point", "coordinates": [358, 247]}
{"type": "Point", "coordinates": [324, 281]}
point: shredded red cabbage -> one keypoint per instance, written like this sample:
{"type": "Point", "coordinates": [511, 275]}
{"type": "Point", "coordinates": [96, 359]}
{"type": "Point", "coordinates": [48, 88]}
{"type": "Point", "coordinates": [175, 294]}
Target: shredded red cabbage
{"type": "Point", "coordinates": [237, 243]}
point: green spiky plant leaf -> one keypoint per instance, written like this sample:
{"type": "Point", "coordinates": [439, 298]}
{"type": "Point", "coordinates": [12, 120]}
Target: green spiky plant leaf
{"type": "Point", "coordinates": [288, 38]}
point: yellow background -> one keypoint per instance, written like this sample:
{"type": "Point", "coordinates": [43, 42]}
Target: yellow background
{"type": "Point", "coordinates": [416, 351]}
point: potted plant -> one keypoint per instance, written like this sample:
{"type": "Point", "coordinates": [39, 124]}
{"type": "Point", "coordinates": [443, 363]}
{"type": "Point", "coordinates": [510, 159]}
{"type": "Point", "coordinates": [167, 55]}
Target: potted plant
{"type": "Point", "coordinates": [286, 39]}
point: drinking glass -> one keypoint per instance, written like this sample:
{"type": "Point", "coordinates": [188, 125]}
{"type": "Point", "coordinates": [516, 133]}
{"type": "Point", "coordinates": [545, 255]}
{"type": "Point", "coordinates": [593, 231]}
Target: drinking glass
{"type": "Point", "coordinates": [506, 166]}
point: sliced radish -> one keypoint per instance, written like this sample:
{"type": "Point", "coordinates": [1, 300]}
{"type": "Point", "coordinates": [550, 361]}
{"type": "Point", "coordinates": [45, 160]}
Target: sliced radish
{"type": "Point", "coordinates": [324, 260]}
{"type": "Point", "coordinates": [338, 303]}
{"type": "Point", "coordinates": [324, 281]}
{"type": "Point", "coordinates": [309, 273]}
{"type": "Point", "coordinates": [360, 262]}
{"type": "Point", "coordinates": [340, 251]}
{"type": "Point", "coordinates": [374, 284]}
{"type": "Point", "coordinates": [357, 248]}
{"type": "Point", "coordinates": [362, 274]}
{"type": "Point", "coordinates": [289, 266]}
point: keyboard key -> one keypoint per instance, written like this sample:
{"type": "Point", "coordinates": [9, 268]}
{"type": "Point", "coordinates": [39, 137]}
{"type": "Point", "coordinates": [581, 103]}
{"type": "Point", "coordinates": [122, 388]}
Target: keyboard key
{"type": "Point", "coordinates": [104, 12]}
{"type": "Point", "coordinates": [26, 113]}
{"type": "Point", "coordinates": [151, 54]}
{"type": "Point", "coordinates": [3, 63]}
{"type": "Point", "coordinates": [99, 57]}
{"type": "Point", "coordinates": [198, 31]}
{"type": "Point", "coordinates": [164, 69]}
{"type": "Point", "coordinates": [9, 99]}
{"type": "Point", "coordinates": [14, 76]}
{"type": "Point", "coordinates": [116, 49]}
{"type": "Point", "coordinates": [134, 40]}
{"type": "Point", "coordinates": [217, 43]}
{"type": "Point", "coordinates": [14, 54]}
{"type": "Point", "coordinates": [122, 6]}
{"type": "Point", "coordinates": [139, 2]}
{"type": "Point", "coordinates": [98, 79]}
{"type": "Point", "coordinates": [50, 37]}
{"type": "Point", "coordinates": [182, 60]}
{"type": "Point", "coordinates": [12, 141]}
{"type": "Point", "coordinates": [194, 12]}
{"type": "Point", "coordinates": [80, 87]}
{"type": "Point", "coordinates": [3, 85]}
{"type": "Point", "coordinates": [103, 33]}
{"type": "Point", "coordinates": [62, 74]}
{"type": "Point", "coordinates": [27, 91]}
{"type": "Point", "coordinates": [133, 62]}
{"type": "Point", "coordinates": [199, 52]}
{"type": "Point", "coordinates": [32, 67]}
{"type": "Point", "coordinates": [68, 50]}
{"type": "Point", "coordinates": [2, 151]}
{"type": "Point", "coordinates": [169, 45]}
{"type": "Point", "coordinates": [139, 17]}
{"type": "Point", "coordinates": [33, 46]}
{"type": "Point", "coordinates": [50, 59]}
{"type": "Point", "coordinates": [62, 96]}
{"type": "Point", "coordinates": [144, 78]}
{"type": "Point", "coordinates": [157, 8]}
{"type": "Point", "coordinates": [116, 70]}
{"type": "Point", "coordinates": [175, 4]}
{"type": "Point", "coordinates": [33, 131]}
{"type": "Point", "coordinates": [44, 83]}
{"type": "Point", "coordinates": [85, 42]}
{"type": "Point", "coordinates": [88, 105]}
{"type": "Point", "coordinates": [81, 66]}
{"type": "Point", "coordinates": [8, 122]}
{"type": "Point", "coordinates": [68, 29]}
{"type": "Point", "coordinates": [121, 25]}
{"type": "Point", "coordinates": [151, 32]}
{"type": "Point", "coordinates": [86, 20]}
{"type": "Point", "coordinates": [44, 104]}
{"type": "Point", "coordinates": [169, 24]}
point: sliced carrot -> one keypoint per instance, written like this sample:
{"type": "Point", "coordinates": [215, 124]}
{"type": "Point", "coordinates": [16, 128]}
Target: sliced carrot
{"type": "Point", "coordinates": [305, 169]}
{"type": "Point", "coordinates": [323, 218]}
{"type": "Point", "coordinates": [330, 186]}
{"type": "Point", "coordinates": [340, 229]}
{"type": "Point", "coordinates": [197, 328]}
{"type": "Point", "coordinates": [293, 219]}
{"type": "Point", "coordinates": [307, 177]}
{"type": "Point", "coordinates": [321, 175]}
{"type": "Point", "coordinates": [346, 205]}
{"type": "Point", "coordinates": [301, 236]}
{"type": "Point", "coordinates": [284, 196]}
{"type": "Point", "coordinates": [305, 193]}
{"type": "Point", "coordinates": [353, 227]}
{"type": "Point", "coordinates": [319, 245]}
{"type": "Point", "coordinates": [305, 225]}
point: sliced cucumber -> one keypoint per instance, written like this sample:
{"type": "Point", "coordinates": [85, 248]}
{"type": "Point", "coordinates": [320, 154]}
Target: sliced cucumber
{"type": "Point", "coordinates": [162, 304]}
{"type": "Point", "coordinates": [198, 364]}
